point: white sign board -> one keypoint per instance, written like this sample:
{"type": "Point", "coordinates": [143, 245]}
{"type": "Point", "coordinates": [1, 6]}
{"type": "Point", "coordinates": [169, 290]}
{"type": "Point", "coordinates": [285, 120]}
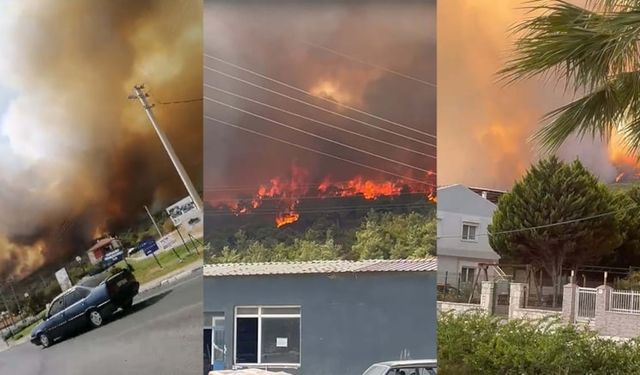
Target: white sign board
{"type": "Point", "coordinates": [63, 279]}
{"type": "Point", "coordinates": [167, 241]}
{"type": "Point", "coordinates": [282, 342]}
{"type": "Point", "coordinates": [182, 211]}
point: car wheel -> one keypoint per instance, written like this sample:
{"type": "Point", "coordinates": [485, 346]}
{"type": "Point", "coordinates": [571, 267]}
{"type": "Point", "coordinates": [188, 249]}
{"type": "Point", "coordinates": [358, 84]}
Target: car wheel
{"type": "Point", "coordinates": [45, 341]}
{"type": "Point", "coordinates": [95, 318]}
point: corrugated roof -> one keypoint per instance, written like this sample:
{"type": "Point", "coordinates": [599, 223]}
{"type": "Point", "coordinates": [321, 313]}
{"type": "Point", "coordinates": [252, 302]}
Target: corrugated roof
{"type": "Point", "coordinates": [320, 267]}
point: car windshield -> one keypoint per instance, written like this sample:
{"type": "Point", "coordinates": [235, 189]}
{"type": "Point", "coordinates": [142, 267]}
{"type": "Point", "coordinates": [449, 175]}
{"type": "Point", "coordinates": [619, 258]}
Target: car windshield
{"type": "Point", "coordinates": [376, 370]}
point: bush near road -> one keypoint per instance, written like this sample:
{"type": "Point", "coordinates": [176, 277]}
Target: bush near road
{"type": "Point", "coordinates": [478, 344]}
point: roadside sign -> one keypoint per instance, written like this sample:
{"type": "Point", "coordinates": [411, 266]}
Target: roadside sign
{"type": "Point", "coordinates": [149, 246]}
{"type": "Point", "coordinates": [168, 241]}
{"type": "Point", "coordinates": [182, 211]}
{"type": "Point", "coordinates": [113, 256]}
{"type": "Point", "coordinates": [63, 279]}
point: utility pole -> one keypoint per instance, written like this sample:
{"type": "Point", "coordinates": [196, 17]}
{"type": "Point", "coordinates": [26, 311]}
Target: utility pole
{"type": "Point", "coordinates": [13, 291]}
{"type": "Point", "coordinates": [153, 221]}
{"type": "Point", "coordinates": [142, 97]}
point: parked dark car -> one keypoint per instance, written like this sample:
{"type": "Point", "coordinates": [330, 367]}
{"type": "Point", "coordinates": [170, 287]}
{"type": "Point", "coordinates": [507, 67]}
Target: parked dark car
{"type": "Point", "coordinates": [81, 307]}
{"type": "Point", "coordinates": [410, 367]}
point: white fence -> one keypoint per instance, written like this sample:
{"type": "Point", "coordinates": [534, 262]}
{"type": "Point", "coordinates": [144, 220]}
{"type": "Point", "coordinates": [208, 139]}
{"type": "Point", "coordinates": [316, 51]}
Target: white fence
{"type": "Point", "coordinates": [586, 303]}
{"type": "Point", "coordinates": [626, 301]}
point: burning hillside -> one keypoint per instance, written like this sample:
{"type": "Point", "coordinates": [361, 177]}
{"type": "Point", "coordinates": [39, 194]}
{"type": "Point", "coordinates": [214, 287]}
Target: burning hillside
{"type": "Point", "coordinates": [281, 196]}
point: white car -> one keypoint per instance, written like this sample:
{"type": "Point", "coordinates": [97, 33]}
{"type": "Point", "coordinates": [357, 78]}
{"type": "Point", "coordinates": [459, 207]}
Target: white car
{"type": "Point", "coordinates": [409, 367]}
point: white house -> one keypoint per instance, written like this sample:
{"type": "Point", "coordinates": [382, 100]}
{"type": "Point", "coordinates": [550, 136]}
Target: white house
{"type": "Point", "coordinates": [463, 217]}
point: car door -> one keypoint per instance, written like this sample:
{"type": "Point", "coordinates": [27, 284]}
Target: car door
{"type": "Point", "coordinates": [55, 318]}
{"type": "Point", "coordinates": [74, 308]}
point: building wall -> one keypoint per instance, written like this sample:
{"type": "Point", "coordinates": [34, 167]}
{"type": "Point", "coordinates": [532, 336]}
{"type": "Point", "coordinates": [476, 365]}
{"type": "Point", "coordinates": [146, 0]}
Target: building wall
{"type": "Point", "coordinates": [457, 205]}
{"type": "Point", "coordinates": [349, 321]}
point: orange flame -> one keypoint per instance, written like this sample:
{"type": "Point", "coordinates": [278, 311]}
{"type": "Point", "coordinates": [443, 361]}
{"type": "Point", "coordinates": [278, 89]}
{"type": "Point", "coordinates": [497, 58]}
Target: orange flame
{"type": "Point", "coordinates": [287, 192]}
{"type": "Point", "coordinates": [285, 218]}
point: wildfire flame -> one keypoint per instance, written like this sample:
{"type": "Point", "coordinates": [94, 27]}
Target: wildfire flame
{"type": "Point", "coordinates": [286, 193]}
{"type": "Point", "coordinates": [627, 163]}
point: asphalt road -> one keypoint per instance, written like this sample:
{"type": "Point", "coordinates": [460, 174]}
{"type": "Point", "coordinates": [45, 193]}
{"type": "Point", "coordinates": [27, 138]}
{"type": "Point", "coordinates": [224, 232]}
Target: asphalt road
{"type": "Point", "coordinates": [162, 335]}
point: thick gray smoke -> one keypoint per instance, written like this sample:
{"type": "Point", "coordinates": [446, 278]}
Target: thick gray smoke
{"type": "Point", "coordinates": [77, 157]}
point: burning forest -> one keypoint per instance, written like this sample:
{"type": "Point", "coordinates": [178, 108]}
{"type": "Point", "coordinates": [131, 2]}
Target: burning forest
{"type": "Point", "coordinates": [281, 197]}
{"type": "Point", "coordinates": [324, 127]}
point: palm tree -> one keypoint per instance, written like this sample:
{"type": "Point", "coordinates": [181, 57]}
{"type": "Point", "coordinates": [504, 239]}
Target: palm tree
{"type": "Point", "coordinates": [595, 50]}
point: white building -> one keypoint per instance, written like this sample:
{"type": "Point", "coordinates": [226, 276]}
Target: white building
{"type": "Point", "coordinates": [463, 217]}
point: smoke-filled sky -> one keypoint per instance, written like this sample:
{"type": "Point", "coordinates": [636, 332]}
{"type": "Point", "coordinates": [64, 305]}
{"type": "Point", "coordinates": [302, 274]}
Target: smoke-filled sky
{"type": "Point", "coordinates": [77, 158]}
{"type": "Point", "coordinates": [274, 39]}
{"type": "Point", "coordinates": [483, 126]}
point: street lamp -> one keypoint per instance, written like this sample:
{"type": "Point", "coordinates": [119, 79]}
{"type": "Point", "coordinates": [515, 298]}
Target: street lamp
{"type": "Point", "coordinates": [79, 260]}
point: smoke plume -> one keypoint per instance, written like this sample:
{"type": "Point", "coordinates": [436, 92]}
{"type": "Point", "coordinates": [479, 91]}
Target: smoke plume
{"type": "Point", "coordinates": [280, 40]}
{"type": "Point", "coordinates": [483, 124]}
{"type": "Point", "coordinates": [77, 158]}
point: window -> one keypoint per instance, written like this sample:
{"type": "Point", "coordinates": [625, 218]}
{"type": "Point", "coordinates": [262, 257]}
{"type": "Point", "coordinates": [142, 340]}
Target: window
{"type": "Point", "coordinates": [469, 231]}
{"type": "Point", "coordinates": [56, 306]}
{"type": "Point", "coordinates": [466, 274]}
{"type": "Point", "coordinates": [267, 335]}
{"type": "Point", "coordinates": [214, 348]}
{"type": "Point", "coordinates": [71, 298]}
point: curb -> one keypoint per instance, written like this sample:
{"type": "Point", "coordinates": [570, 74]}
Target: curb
{"type": "Point", "coordinates": [179, 276]}
{"type": "Point", "coordinates": [170, 280]}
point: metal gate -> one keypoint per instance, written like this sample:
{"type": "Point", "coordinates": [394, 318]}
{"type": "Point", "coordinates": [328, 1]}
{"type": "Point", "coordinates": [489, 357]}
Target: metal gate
{"type": "Point", "coordinates": [501, 296]}
{"type": "Point", "coordinates": [586, 303]}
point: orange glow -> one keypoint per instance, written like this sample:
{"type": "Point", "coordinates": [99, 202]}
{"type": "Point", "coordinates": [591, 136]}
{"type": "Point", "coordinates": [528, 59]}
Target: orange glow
{"type": "Point", "coordinates": [330, 90]}
{"type": "Point", "coordinates": [370, 189]}
{"type": "Point", "coordinates": [627, 163]}
{"type": "Point", "coordinates": [285, 218]}
{"type": "Point", "coordinates": [287, 192]}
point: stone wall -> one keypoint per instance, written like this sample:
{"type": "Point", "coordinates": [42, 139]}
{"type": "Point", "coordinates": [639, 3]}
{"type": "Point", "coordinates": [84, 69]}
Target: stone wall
{"type": "Point", "coordinates": [517, 310]}
{"type": "Point", "coordinates": [611, 323]}
{"type": "Point", "coordinates": [459, 308]}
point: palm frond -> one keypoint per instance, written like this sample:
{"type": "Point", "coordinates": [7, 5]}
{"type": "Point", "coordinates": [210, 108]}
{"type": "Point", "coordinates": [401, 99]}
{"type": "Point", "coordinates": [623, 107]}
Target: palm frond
{"type": "Point", "coordinates": [598, 113]}
{"type": "Point", "coordinates": [582, 46]}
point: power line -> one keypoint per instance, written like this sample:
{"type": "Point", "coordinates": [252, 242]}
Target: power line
{"type": "Point", "coordinates": [318, 121]}
{"type": "Point", "coordinates": [312, 185]}
{"type": "Point", "coordinates": [319, 210]}
{"type": "Point", "coordinates": [181, 101]}
{"type": "Point", "coordinates": [320, 108]}
{"type": "Point", "coordinates": [317, 151]}
{"type": "Point", "coordinates": [380, 67]}
{"type": "Point", "coordinates": [549, 225]}
{"type": "Point", "coordinates": [321, 137]}
{"type": "Point", "coordinates": [355, 195]}
{"type": "Point", "coordinates": [318, 97]}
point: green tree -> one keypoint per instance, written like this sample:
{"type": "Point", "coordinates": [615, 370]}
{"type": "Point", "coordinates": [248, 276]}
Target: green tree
{"type": "Point", "coordinates": [628, 204]}
{"type": "Point", "coordinates": [394, 236]}
{"type": "Point", "coordinates": [552, 192]}
{"type": "Point", "coordinates": [595, 50]}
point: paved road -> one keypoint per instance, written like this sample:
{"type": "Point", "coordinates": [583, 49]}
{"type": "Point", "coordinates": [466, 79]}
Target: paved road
{"type": "Point", "coordinates": [162, 335]}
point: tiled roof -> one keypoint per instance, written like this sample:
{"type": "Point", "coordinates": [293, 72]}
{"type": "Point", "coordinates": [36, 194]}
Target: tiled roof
{"type": "Point", "coordinates": [320, 267]}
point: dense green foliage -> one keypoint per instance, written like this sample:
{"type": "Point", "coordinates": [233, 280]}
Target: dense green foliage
{"type": "Point", "coordinates": [474, 343]}
{"type": "Point", "coordinates": [591, 46]}
{"type": "Point", "coordinates": [631, 282]}
{"type": "Point", "coordinates": [551, 192]}
{"type": "Point", "coordinates": [379, 236]}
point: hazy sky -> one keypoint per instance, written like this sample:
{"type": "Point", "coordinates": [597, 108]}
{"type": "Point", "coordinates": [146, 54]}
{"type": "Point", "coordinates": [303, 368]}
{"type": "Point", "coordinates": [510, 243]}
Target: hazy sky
{"type": "Point", "coordinates": [79, 158]}
{"type": "Point", "coordinates": [483, 126]}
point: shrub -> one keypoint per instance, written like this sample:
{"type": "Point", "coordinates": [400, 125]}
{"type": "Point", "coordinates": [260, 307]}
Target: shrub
{"type": "Point", "coordinates": [474, 343]}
